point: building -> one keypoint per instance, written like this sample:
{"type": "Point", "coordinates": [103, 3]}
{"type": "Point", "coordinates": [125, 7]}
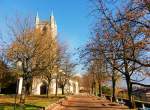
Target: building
{"type": "Point", "coordinates": [39, 84]}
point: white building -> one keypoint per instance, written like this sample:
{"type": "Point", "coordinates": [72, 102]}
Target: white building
{"type": "Point", "coordinates": [39, 85]}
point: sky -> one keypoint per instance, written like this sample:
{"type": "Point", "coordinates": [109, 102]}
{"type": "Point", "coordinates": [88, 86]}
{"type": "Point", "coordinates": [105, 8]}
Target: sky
{"type": "Point", "coordinates": [72, 16]}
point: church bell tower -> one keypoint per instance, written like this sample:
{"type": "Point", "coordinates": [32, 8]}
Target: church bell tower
{"type": "Point", "coordinates": [51, 25]}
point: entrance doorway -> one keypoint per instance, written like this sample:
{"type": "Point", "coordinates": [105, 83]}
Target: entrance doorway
{"type": "Point", "coordinates": [43, 89]}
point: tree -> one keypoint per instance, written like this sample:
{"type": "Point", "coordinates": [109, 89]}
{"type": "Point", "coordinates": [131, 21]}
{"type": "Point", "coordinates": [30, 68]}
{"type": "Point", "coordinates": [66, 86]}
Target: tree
{"type": "Point", "coordinates": [35, 48]}
{"type": "Point", "coordinates": [93, 58]}
{"type": "Point", "coordinates": [125, 38]}
{"type": "Point", "coordinates": [142, 3]}
{"type": "Point", "coordinates": [86, 82]}
{"type": "Point", "coordinates": [99, 50]}
{"type": "Point", "coordinates": [66, 70]}
{"type": "Point", "coordinates": [7, 76]}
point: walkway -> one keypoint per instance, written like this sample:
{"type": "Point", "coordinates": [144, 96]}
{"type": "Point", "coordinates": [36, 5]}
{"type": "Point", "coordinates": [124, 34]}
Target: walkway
{"type": "Point", "coordinates": [86, 102]}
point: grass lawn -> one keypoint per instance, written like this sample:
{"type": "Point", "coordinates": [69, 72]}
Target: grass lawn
{"type": "Point", "coordinates": [11, 107]}
{"type": "Point", "coordinates": [32, 102]}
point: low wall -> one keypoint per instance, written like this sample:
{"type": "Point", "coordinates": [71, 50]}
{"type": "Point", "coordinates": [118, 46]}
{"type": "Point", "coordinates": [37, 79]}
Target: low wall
{"type": "Point", "coordinates": [137, 103]}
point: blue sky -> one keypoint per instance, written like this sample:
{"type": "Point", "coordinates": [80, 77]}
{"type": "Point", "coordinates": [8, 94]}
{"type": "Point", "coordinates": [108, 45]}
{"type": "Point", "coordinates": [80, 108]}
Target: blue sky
{"type": "Point", "coordinates": [72, 16]}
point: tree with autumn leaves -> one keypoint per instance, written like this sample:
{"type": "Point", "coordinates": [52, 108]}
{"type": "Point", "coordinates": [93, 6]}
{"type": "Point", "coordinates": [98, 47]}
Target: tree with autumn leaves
{"type": "Point", "coordinates": [35, 49]}
{"type": "Point", "coordinates": [121, 40]}
{"type": "Point", "coordinates": [38, 50]}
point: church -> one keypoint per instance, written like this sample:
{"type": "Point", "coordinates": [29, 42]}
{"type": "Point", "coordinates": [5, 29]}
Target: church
{"type": "Point", "coordinates": [39, 85]}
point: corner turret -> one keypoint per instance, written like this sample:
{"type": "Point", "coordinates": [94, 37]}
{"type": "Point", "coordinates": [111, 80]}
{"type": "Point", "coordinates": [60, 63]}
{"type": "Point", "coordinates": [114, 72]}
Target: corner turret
{"type": "Point", "coordinates": [37, 21]}
{"type": "Point", "coordinates": [53, 25]}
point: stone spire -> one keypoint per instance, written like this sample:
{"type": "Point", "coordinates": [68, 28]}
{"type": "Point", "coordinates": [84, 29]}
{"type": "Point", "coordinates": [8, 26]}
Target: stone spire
{"type": "Point", "coordinates": [53, 25]}
{"type": "Point", "coordinates": [52, 20]}
{"type": "Point", "coordinates": [37, 21]}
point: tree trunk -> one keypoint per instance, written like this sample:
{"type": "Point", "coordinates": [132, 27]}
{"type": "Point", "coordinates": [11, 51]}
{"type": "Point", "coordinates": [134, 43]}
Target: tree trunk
{"type": "Point", "coordinates": [63, 90]}
{"type": "Point", "coordinates": [100, 89]}
{"type": "Point", "coordinates": [114, 88]}
{"type": "Point", "coordinates": [129, 87]}
{"type": "Point", "coordinates": [48, 89]}
{"type": "Point", "coordinates": [28, 88]}
{"type": "Point", "coordinates": [56, 87]}
{"type": "Point", "coordinates": [92, 88]}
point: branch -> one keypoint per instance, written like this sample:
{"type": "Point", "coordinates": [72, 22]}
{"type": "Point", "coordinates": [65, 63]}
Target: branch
{"type": "Point", "coordinates": [136, 83]}
{"type": "Point", "coordinates": [134, 60]}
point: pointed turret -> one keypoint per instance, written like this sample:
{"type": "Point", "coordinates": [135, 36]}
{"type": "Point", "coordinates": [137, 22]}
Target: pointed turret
{"type": "Point", "coordinates": [37, 21]}
{"type": "Point", "coordinates": [53, 25]}
{"type": "Point", "coordinates": [52, 20]}
{"type": "Point", "coordinates": [55, 28]}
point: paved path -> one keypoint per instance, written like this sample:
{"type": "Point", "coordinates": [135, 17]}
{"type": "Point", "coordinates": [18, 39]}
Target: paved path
{"type": "Point", "coordinates": [85, 102]}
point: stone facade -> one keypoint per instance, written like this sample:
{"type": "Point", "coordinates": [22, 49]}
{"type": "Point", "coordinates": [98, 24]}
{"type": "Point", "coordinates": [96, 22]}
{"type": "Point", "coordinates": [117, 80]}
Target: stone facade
{"type": "Point", "coordinates": [39, 87]}
{"type": "Point", "coordinates": [40, 84]}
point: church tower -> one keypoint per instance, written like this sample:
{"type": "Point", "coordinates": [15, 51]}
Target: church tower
{"type": "Point", "coordinates": [50, 26]}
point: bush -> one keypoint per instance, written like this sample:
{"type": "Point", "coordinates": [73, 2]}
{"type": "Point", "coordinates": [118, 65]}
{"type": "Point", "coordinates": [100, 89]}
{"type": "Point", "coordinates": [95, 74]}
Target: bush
{"type": "Point", "coordinates": [106, 90]}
